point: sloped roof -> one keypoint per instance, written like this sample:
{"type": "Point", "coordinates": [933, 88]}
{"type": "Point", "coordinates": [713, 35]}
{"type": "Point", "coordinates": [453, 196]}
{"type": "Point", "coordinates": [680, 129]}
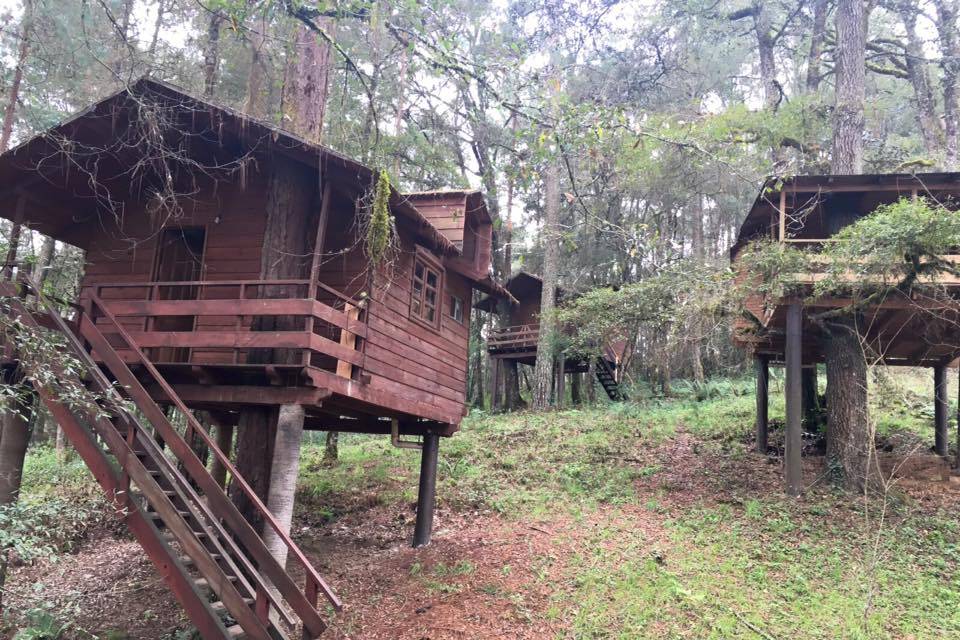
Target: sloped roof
{"type": "Point", "coordinates": [767, 202]}
{"type": "Point", "coordinates": [520, 286]}
{"type": "Point", "coordinates": [40, 159]}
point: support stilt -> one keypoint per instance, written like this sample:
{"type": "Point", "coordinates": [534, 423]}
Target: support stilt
{"type": "Point", "coordinates": [283, 477]}
{"type": "Point", "coordinates": [761, 362]}
{"type": "Point", "coordinates": [940, 409]}
{"type": "Point", "coordinates": [426, 498]}
{"type": "Point", "coordinates": [224, 432]}
{"type": "Point", "coordinates": [794, 396]}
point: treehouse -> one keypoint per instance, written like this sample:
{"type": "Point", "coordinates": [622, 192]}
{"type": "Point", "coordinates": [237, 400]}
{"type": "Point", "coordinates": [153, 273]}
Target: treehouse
{"type": "Point", "coordinates": [516, 342]}
{"type": "Point", "coordinates": [899, 328]}
{"type": "Point", "coordinates": [237, 270]}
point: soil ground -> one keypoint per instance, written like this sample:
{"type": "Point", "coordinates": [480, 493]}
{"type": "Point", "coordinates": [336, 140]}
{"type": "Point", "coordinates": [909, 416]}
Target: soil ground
{"type": "Point", "coordinates": [484, 575]}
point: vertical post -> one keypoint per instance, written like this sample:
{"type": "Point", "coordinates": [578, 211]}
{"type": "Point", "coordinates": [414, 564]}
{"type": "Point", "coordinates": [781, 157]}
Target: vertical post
{"type": "Point", "coordinates": [763, 379]}
{"type": "Point", "coordinates": [495, 392]}
{"type": "Point", "coordinates": [957, 461]}
{"type": "Point", "coordinates": [15, 230]}
{"type": "Point", "coordinates": [794, 397]}
{"type": "Point", "coordinates": [561, 382]}
{"type": "Point", "coordinates": [225, 444]}
{"type": "Point", "coordinates": [319, 241]}
{"type": "Point", "coordinates": [783, 216]}
{"type": "Point", "coordinates": [940, 409]}
{"type": "Point", "coordinates": [426, 497]}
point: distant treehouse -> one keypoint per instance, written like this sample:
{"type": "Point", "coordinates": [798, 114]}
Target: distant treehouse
{"type": "Point", "coordinates": [899, 328]}
{"type": "Point", "coordinates": [228, 271]}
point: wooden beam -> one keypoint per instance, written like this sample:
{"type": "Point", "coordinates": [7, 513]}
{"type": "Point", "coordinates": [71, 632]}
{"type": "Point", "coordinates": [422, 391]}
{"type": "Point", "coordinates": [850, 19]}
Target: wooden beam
{"type": "Point", "coordinates": [794, 396]}
{"type": "Point", "coordinates": [195, 394]}
{"type": "Point", "coordinates": [761, 362]}
{"type": "Point", "coordinates": [349, 341]}
{"type": "Point", "coordinates": [321, 237]}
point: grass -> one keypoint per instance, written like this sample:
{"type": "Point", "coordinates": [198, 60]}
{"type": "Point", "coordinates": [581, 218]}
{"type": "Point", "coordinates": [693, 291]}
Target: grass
{"type": "Point", "coordinates": [765, 567]}
{"type": "Point", "coordinates": [632, 561]}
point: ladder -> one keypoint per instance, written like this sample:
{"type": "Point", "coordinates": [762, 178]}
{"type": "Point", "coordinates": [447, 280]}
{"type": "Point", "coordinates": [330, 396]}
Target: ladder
{"type": "Point", "coordinates": [213, 561]}
{"type": "Point", "coordinates": [605, 374]}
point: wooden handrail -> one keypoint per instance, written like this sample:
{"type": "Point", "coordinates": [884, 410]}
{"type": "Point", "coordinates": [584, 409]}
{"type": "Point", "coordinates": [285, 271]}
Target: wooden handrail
{"type": "Point", "coordinates": [293, 549]}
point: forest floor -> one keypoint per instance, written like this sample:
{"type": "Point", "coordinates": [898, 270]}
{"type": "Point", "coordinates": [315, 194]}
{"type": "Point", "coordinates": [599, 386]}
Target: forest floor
{"type": "Point", "coordinates": [651, 519]}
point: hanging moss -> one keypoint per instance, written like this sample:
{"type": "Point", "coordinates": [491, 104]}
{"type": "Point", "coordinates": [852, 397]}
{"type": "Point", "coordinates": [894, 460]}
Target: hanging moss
{"type": "Point", "coordinates": [379, 228]}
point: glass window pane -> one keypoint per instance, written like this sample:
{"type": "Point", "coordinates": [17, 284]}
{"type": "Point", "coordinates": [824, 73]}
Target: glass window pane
{"type": "Point", "coordinates": [417, 287]}
{"type": "Point", "coordinates": [431, 298]}
{"type": "Point", "coordinates": [431, 278]}
{"type": "Point", "coordinates": [416, 306]}
{"type": "Point", "coordinates": [430, 314]}
{"type": "Point", "coordinates": [418, 271]}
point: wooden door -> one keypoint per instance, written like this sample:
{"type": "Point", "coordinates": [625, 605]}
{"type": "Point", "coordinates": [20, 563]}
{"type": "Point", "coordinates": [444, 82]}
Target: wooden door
{"type": "Point", "coordinates": [179, 259]}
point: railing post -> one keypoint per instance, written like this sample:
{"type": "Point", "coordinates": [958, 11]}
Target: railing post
{"type": "Point", "coordinates": [311, 593]}
{"type": "Point", "coordinates": [262, 605]}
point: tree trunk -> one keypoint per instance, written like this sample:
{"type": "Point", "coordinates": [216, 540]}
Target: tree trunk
{"type": "Point", "coordinates": [211, 54]}
{"type": "Point", "coordinates": [815, 55]}
{"type": "Point", "coordinates": [479, 353]}
{"type": "Point", "coordinates": [919, 76]}
{"type": "Point", "coordinates": [576, 397]}
{"type": "Point", "coordinates": [255, 443]}
{"type": "Point", "coordinates": [849, 438]}
{"type": "Point", "coordinates": [10, 112]}
{"type": "Point", "coordinates": [696, 361]}
{"type": "Point", "coordinates": [283, 477]}
{"type": "Point", "coordinates": [13, 450]}
{"type": "Point", "coordinates": [224, 436]}
{"type": "Point", "coordinates": [287, 254]}
{"type": "Point", "coordinates": [311, 81]}
{"type": "Point", "coordinates": [848, 120]}
{"type": "Point", "coordinates": [543, 370]}
{"type": "Point", "coordinates": [255, 76]}
{"type": "Point", "coordinates": [768, 67]}
{"type": "Point", "coordinates": [331, 450]}
{"type": "Point", "coordinates": [950, 46]}
{"type": "Point", "coordinates": [591, 377]}
{"type": "Point", "coordinates": [512, 400]}
{"type": "Point", "coordinates": [45, 259]}
{"type": "Point", "coordinates": [848, 429]}
{"type": "Point", "coordinates": [811, 399]}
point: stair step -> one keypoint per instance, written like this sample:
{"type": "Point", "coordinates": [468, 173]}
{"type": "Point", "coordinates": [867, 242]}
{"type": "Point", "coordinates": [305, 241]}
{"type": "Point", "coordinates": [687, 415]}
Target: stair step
{"type": "Point", "coordinates": [203, 583]}
{"type": "Point", "coordinates": [187, 560]}
{"type": "Point", "coordinates": [236, 631]}
{"type": "Point", "coordinates": [169, 537]}
{"type": "Point", "coordinates": [219, 607]}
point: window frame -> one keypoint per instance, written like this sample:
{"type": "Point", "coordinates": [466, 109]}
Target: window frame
{"type": "Point", "coordinates": [456, 300]}
{"type": "Point", "coordinates": [429, 263]}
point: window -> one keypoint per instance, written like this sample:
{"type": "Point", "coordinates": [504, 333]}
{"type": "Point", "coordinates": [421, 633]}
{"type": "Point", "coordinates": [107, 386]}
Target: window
{"type": "Point", "coordinates": [456, 309]}
{"type": "Point", "coordinates": [426, 287]}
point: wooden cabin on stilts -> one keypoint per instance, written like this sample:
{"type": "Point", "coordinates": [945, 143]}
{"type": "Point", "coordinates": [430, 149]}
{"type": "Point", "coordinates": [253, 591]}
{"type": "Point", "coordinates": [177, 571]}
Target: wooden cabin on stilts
{"type": "Point", "coordinates": [805, 212]}
{"type": "Point", "coordinates": [515, 341]}
{"type": "Point", "coordinates": [229, 275]}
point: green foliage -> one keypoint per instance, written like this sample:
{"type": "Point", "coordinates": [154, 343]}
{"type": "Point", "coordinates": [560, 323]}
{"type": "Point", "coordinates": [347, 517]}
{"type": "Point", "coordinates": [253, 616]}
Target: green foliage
{"type": "Point", "coordinates": [900, 244]}
{"type": "Point", "coordinates": [680, 301]}
{"type": "Point", "coordinates": [380, 229]}
{"type": "Point", "coordinates": [59, 504]}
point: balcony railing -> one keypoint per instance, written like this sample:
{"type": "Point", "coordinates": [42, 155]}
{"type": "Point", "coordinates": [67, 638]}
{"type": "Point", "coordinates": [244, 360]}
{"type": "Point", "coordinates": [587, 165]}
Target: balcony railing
{"type": "Point", "coordinates": [515, 338]}
{"type": "Point", "coordinates": [239, 322]}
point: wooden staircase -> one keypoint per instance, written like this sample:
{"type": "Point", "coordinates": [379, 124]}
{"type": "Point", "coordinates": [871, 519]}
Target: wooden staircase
{"type": "Point", "coordinates": [605, 374]}
{"type": "Point", "coordinates": [212, 560]}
